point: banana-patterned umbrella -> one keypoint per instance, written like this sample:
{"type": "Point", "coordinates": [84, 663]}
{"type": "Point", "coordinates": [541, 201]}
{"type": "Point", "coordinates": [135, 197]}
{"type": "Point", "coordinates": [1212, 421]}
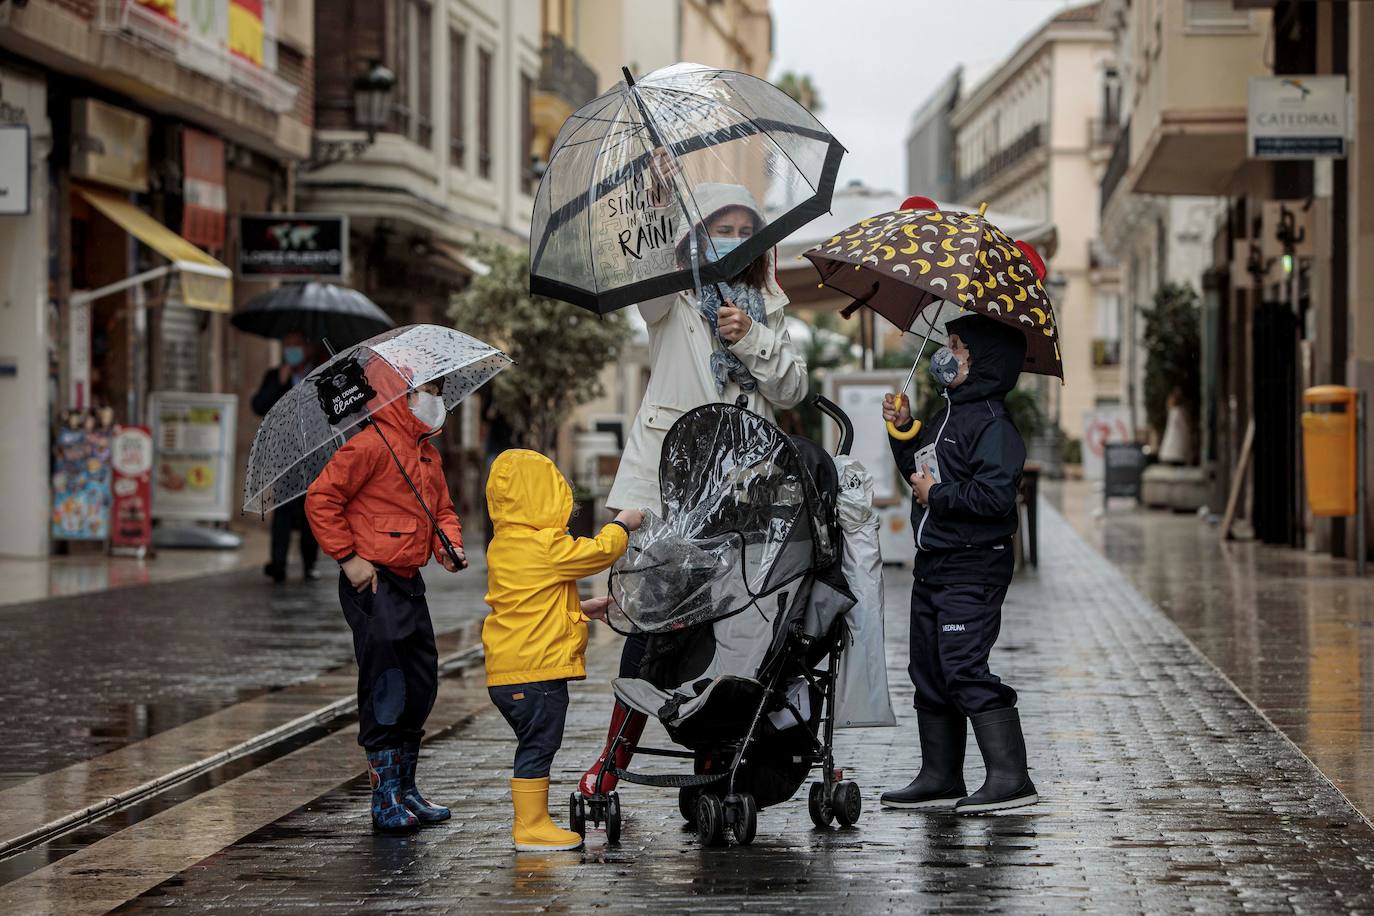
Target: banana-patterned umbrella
{"type": "Point", "coordinates": [920, 267]}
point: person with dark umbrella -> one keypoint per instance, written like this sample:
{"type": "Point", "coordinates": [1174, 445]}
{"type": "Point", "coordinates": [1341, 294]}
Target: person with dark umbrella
{"type": "Point", "coordinates": [297, 361]}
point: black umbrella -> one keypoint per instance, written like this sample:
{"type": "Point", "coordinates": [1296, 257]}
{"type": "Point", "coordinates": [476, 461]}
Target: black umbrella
{"type": "Point", "coordinates": [320, 311]}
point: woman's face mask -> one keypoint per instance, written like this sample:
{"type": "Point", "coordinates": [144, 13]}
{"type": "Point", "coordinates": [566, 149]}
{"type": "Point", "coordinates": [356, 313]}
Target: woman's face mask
{"type": "Point", "coordinates": [428, 409]}
{"type": "Point", "coordinates": [948, 368]}
{"type": "Point", "coordinates": [718, 247]}
{"type": "Point", "coordinates": [293, 355]}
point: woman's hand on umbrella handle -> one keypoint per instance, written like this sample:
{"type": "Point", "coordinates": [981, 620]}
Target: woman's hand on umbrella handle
{"type": "Point", "coordinates": [897, 414]}
{"type": "Point", "coordinates": [732, 323]}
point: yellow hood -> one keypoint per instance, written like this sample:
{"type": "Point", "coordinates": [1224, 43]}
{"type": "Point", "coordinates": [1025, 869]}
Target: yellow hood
{"type": "Point", "coordinates": [527, 489]}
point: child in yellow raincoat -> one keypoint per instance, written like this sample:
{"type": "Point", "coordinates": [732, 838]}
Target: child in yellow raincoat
{"type": "Point", "coordinates": [536, 634]}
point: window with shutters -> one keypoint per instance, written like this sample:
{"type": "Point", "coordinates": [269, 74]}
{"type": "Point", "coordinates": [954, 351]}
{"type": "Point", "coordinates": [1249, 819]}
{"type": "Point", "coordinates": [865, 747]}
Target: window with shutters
{"type": "Point", "coordinates": [525, 168]}
{"type": "Point", "coordinates": [484, 90]}
{"type": "Point", "coordinates": [457, 97]}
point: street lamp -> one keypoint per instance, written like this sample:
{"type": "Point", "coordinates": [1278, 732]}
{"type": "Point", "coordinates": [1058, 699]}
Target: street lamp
{"type": "Point", "coordinates": [371, 111]}
{"type": "Point", "coordinates": [372, 98]}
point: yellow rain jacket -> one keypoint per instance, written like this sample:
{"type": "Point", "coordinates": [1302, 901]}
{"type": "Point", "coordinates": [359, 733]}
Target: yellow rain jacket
{"type": "Point", "coordinates": [536, 630]}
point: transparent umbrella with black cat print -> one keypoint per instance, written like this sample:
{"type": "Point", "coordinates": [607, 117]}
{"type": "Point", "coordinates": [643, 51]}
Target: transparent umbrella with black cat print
{"type": "Point", "coordinates": [337, 400]}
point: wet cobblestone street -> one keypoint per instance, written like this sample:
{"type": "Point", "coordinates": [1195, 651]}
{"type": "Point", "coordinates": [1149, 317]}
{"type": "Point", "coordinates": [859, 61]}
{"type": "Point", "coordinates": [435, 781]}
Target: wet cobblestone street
{"type": "Point", "coordinates": [1162, 790]}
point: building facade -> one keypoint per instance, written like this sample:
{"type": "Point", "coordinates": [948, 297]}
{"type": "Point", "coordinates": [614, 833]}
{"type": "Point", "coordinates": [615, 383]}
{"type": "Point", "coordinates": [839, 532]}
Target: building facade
{"type": "Point", "coordinates": [150, 125]}
{"type": "Point", "coordinates": [1282, 265]}
{"type": "Point", "coordinates": [1030, 141]}
{"type": "Point", "coordinates": [930, 141]}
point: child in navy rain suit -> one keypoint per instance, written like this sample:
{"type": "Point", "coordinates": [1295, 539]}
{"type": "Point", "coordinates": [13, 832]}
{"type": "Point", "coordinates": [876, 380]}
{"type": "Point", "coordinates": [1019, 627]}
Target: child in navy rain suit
{"type": "Point", "coordinates": [965, 468]}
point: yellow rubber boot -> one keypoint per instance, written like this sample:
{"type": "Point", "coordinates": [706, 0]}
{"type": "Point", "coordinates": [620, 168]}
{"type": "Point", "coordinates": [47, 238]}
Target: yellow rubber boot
{"type": "Point", "coordinates": [533, 830]}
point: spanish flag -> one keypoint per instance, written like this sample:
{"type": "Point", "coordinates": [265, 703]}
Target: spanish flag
{"type": "Point", "coordinates": [245, 29]}
{"type": "Point", "coordinates": [166, 8]}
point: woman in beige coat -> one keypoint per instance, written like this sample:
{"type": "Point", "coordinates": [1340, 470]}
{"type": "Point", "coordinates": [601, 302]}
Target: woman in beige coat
{"type": "Point", "coordinates": [703, 350]}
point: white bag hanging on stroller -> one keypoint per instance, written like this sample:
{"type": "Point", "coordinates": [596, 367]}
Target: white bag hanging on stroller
{"type": "Point", "coordinates": [861, 697]}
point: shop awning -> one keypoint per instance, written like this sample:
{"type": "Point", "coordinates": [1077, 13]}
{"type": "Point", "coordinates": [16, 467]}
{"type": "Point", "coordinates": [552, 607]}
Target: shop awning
{"type": "Point", "coordinates": [203, 282]}
{"type": "Point", "coordinates": [456, 254]}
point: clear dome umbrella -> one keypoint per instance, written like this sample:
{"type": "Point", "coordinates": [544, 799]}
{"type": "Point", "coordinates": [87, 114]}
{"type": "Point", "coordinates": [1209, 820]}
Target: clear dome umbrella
{"type": "Point", "coordinates": [336, 400]}
{"type": "Point", "coordinates": [633, 172]}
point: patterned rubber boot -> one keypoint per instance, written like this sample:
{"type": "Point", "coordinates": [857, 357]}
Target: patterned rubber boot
{"type": "Point", "coordinates": [424, 812]}
{"type": "Point", "coordinates": [389, 813]}
{"type": "Point", "coordinates": [634, 722]}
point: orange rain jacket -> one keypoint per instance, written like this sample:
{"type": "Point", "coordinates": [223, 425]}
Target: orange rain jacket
{"type": "Point", "coordinates": [536, 630]}
{"type": "Point", "coordinates": [361, 505]}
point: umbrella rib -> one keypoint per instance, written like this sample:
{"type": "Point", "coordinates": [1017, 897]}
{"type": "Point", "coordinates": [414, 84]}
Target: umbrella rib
{"type": "Point", "coordinates": [751, 119]}
{"type": "Point", "coordinates": [591, 252]}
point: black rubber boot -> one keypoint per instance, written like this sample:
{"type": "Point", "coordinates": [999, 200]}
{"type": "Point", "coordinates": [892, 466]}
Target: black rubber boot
{"type": "Point", "coordinates": [1008, 784]}
{"type": "Point", "coordinates": [941, 781]}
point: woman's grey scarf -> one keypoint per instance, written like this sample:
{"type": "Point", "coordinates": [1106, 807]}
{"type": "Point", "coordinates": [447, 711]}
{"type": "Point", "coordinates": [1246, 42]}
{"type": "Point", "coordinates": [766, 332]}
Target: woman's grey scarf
{"type": "Point", "coordinates": [725, 365]}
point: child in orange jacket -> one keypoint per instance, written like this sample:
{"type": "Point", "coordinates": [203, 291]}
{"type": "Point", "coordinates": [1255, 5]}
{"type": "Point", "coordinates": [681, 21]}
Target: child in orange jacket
{"type": "Point", "coordinates": [536, 634]}
{"type": "Point", "coordinates": [366, 517]}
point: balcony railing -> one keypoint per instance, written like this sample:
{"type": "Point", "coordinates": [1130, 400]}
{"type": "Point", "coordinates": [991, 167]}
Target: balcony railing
{"type": "Point", "coordinates": [141, 25]}
{"type": "Point", "coordinates": [1000, 161]}
{"type": "Point", "coordinates": [1103, 132]}
{"type": "Point", "coordinates": [563, 73]}
{"type": "Point", "coordinates": [1116, 166]}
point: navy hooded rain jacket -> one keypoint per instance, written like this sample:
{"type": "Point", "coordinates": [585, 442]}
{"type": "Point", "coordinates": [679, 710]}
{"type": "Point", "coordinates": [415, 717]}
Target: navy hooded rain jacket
{"type": "Point", "coordinates": [964, 536]}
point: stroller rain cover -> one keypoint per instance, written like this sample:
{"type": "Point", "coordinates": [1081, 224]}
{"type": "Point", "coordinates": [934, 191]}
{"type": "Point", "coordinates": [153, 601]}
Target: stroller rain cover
{"type": "Point", "coordinates": [742, 517]}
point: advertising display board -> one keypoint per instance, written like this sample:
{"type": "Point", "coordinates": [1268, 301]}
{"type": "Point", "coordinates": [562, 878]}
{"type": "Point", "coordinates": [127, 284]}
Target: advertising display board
{"type": "Point", "coordinates": [193, 437]}
{"type": "Point", "coordinates": [81, 483]}
{"type": "Point", "coordinates": [131, 512]}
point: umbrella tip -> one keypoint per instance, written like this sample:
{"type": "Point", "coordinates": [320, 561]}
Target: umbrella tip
{"type": "Point", "coordinates": [983, 208]}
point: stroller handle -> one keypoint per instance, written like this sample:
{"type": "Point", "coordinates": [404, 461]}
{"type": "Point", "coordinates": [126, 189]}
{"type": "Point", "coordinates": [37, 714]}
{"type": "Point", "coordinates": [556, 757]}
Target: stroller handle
{"type": "Point", "coordinates": [832, 410]}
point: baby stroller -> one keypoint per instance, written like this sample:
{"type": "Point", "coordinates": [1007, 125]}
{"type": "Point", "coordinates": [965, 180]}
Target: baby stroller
{"type": "Point", "coordinates": [741, 592]}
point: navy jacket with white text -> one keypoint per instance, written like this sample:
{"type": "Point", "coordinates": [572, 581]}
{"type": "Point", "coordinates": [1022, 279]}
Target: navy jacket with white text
{"type": "Point", "coordinates": [964, 536]}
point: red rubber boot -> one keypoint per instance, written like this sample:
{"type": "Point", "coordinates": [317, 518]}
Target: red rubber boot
{"type": "Point", "coordinates": [634, 727]}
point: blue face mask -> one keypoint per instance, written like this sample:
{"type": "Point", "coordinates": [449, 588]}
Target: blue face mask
{"type": "Point", "coordinates": [294, 356]}
{"type": "Point", "coordinates": [718, 248]}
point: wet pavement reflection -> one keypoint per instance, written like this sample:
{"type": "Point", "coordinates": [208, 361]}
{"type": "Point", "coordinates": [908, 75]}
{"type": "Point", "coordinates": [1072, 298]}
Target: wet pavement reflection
{"type": "Point", "coordinates": [1294, 631]}
{"type": "Point", "coordinates": [1162, 790]}
{"type": "Point", "coordinates": [90, 674]}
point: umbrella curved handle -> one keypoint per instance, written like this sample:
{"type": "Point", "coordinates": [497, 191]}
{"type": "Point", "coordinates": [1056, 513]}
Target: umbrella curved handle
{"type": "Point", "coordinates": [903, 435]}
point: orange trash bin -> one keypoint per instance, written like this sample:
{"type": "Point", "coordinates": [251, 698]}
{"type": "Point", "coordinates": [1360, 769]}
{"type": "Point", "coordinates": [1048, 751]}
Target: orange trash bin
{"type": "Point", "coordinates": [1329, 441]}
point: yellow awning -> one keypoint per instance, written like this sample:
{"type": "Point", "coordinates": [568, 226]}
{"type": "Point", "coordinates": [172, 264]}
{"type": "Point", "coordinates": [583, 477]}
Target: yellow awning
{"type": "Point", "coordinates": [204, 282]}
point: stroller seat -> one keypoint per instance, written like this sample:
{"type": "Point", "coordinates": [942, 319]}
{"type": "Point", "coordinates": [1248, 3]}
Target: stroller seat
{"type": "Point", "coordinates": [740, 644]}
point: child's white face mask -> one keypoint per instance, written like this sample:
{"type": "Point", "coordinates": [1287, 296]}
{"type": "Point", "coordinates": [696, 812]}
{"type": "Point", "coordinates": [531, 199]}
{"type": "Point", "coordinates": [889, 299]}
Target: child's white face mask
{"type": "Point", "coordinates": [428, 409]}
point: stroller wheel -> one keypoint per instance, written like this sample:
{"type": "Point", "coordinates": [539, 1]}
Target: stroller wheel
{"type": "Point", "coordinates": [745, 824]}
{"type": "Point", "coordinates": [822, 815]}
{"type": "Point", "coordinates": [687, 803]}
{"type": "Point", "coordinates": [577, 815]}
{"type": "Point", "coordinates": [710, 820]}
{"type": "Point", "coordinates": [613, 819]}
{"type": "Point", "coordinates": [847, 802]}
